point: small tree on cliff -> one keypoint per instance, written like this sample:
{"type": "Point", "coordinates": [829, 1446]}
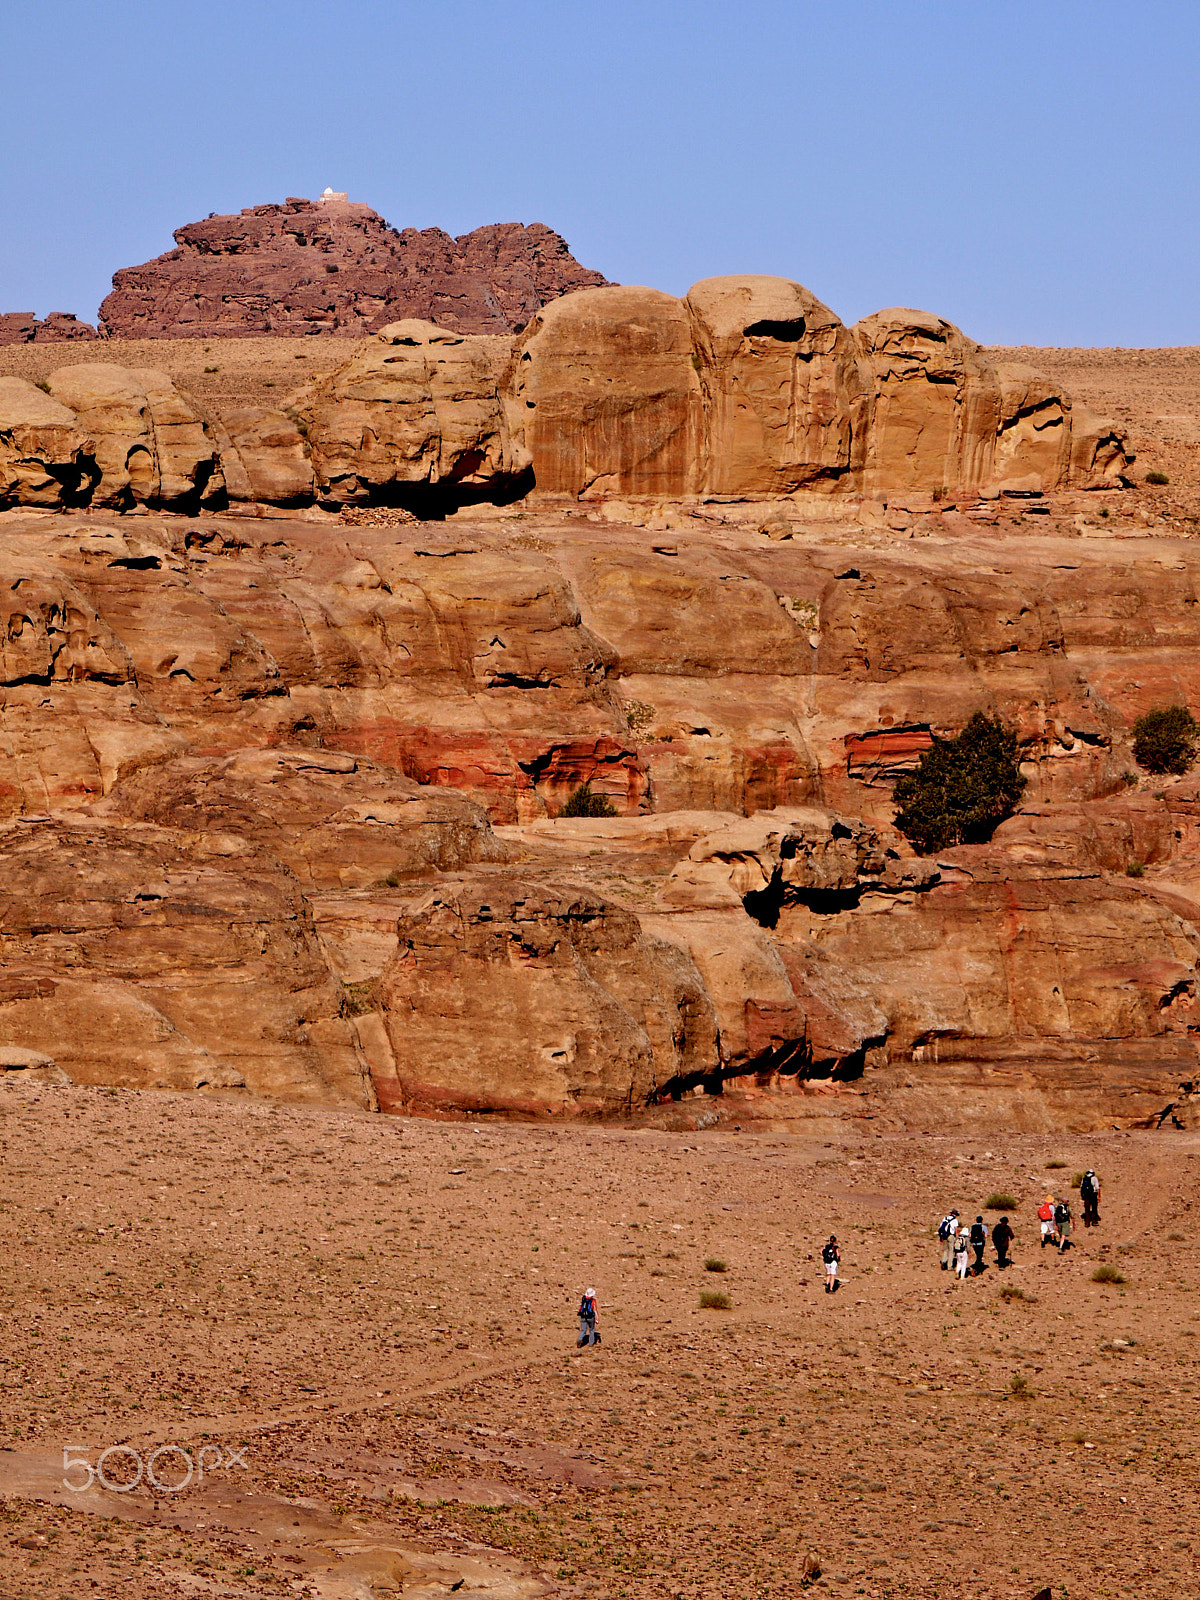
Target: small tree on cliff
{"type": "Point", "coordinates": [963, 788]}
{"type": "Point", "coordinates": [1164, 740]}
{"type": "Point", "coordinates": [583, 803]}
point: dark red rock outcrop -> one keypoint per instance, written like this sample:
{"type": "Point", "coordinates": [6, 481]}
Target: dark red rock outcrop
{"type": "Point", "coordinates": [335, 266]}
{"type": "Point", "coordinates": [59, 327]}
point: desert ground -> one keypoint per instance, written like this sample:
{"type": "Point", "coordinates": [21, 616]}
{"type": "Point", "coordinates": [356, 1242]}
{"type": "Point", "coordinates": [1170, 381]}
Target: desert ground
{"type": "Point", "coordinates": [372, 1319]}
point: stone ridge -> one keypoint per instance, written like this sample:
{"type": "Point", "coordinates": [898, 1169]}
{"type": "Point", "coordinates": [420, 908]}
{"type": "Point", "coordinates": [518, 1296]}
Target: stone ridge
{"type": "Point", "coordinates": [59, 327]}
{"type": "Point", "coordinates": [336, 267]}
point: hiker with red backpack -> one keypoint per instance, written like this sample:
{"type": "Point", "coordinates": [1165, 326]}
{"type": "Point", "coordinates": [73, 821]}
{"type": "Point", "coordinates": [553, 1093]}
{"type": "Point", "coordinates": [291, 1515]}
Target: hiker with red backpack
{"type": "Point", "coordinates": [1046, 1218]}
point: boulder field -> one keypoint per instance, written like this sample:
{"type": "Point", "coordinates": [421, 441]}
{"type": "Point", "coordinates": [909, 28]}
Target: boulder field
{"type": "Point", "coordinates": [280, 810]}
{"type": "Point", "coordinates": [748, 387]}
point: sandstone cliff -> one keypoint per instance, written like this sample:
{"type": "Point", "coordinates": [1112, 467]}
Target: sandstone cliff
{"type": "Point", "coordinates": [747, 388]}
{"type": "Point", "coordinates": [280, 814]}
{"type": "Point", "coordinates": [334, 266]}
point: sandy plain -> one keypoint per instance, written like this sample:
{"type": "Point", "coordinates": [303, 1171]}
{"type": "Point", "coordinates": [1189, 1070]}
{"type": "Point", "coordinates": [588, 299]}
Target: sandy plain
{"type": "Point", "coordinates": [377, 1313]}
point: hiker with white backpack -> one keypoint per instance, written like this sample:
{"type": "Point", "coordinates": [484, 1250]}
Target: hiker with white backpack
{"type": "Point", "coordinates": [962, 1253]}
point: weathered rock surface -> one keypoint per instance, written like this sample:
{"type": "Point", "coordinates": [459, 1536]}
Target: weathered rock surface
{"type": "Point", "coordinates": [508, 996]}
{"type": "Point", "coordinates": [749, 387]}
{"type": "Point", "coordinates": [418, 406]}
{"type": "Point", "coordinates": [150, 447]}
{"type": "Point", "coordinates": [785, 386]}
{"type": "Point", "coordinates": [335, 820]}
{"type": "Point", "coordinates": [45, 458]}
{"type": "Point", "coordinates": [247, 768]}
{"type": "Point", "coordinates": [59, 327]}
{"type": "Point", "coordinates": [334, 266]}
{"type": "Point", "coordinates": [263, 457]}
{"type": "Point", "coordinates": [606, 395]}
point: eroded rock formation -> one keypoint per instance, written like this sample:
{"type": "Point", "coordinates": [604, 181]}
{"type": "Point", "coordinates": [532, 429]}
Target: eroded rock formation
{"type": "Point", "coordinates": [281, 815]}
{"type": "Point", "coordinates": [59, 327]}
{"type": "Point", "coordinates": [335, 266]}
{"type": "Point", "coordinates": [748, 388]}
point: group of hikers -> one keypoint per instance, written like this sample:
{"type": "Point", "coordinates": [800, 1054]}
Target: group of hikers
{"type": "Point", "coordinates": [1055, 1218]}
{"type": "Point", "coordinates": [958, 1243]}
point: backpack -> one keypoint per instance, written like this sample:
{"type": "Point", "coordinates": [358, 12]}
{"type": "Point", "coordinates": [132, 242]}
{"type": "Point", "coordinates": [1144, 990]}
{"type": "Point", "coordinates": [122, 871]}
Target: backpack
{"type": "Point", "coordinates": [587, 1307]}
{"type": "Point", "coordinates": [1046, 1211]}
{"type": "Point", "coordinates": [978, 1236]}
{"type": "Point", "coordinates": [1088, 1186]}
{"type": "Point", "coordinates": [945, 1227]}
{"type": "Point", "coordinates": [829, 1253]}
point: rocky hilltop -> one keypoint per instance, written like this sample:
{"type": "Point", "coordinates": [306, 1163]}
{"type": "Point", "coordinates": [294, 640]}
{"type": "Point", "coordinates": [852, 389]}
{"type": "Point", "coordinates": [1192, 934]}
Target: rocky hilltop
{"type": "Point", "coordinates": [333, 266]}
{"type": "Point", "coordinates": [60, 327]}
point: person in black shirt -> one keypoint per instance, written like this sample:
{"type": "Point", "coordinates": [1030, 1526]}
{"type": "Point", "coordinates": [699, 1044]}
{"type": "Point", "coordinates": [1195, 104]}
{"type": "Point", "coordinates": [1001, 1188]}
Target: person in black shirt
{"type": "Point", "coordinates": [979, 1235]}
{"type": "Point", "coordinates": [831, 1255]}
{"type": "Point", "coordinates": [1002, 1238]}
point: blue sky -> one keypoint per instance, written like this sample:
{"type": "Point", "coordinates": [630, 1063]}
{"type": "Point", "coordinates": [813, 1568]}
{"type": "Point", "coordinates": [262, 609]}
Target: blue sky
{"type": "Point", "coordinates": [1028, 170]}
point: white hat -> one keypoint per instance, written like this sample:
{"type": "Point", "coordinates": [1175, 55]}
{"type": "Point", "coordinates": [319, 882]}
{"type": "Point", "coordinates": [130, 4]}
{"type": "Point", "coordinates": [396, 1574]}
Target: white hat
{"type": "Point", "coordinates": [591, 1293]}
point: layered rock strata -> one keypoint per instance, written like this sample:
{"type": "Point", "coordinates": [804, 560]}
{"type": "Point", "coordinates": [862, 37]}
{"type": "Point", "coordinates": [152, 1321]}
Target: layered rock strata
{"type": "Point", "coordinates": [280, 814]}
{"type": "Point", "coordinates": [333, 266]}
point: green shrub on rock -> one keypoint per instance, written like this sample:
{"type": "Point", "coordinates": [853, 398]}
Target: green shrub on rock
{"type": "Point", "coordinates": [963, 788]}
{"type": "Point", "coordinates": [1164, 740]}
{"type": "Point", "coordinates": [583, 803]}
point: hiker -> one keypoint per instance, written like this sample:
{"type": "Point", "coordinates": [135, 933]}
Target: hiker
{"type": "Point", "coordinates": [1046, 1218]}
{"type": "Point", "coordinates": [962, 1253]}
{"type": "Point", "coordinates": [1089, 1197]}
{"type": "Point", "coordinates": [1002, 1238]}
{"type": "Point", "coordinates": [587, 1319]}
{"type": "Point", "coordinates": [947, 1228]}
{"type": "Point", "coordinates": [1062, 1225]}
{"type": "Point", "coordinates": [831, 1255]}
{"type": "Point", "coordinates": [979, 1235]}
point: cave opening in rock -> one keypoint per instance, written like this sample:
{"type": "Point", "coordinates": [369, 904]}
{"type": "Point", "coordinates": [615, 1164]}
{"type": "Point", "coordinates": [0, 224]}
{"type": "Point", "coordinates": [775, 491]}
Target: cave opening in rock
{"type": "Point", "coordinates": [766, 904]}
{"type": "Point", "coordinates": [786, 329]}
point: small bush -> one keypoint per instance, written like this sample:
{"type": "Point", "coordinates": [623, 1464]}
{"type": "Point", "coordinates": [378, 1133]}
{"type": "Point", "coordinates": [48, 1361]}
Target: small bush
{"type": "Point", "coordinates": [42, 385]}
{"type": "Point", "coordinates": [963, 788]}
{"type": "Point", "coordinates": [1001, 1202]}
{"type": "Point", "coordinates": [711, 1301]}
{"type": "Point", "coordinates": [212, 369]}
{"type": "Point", "coordinates": [715, 1264]}
{"type": "Point", "coordinates": [583, 803]}
{"type": "Point", "coordinates": [1159, 480]}
{"type": "Point", "coordinates": [1018, 1387]}
{"type": "Point", "coordinates": [1013, 1291]}
{"type": "Point", "coordinates": [1164, 740]}
{"type": "Point", "coordinates": [1135, 869]}
{"type": "Point", "coordinates": [1108, 1274]}
{"type": "Point", "coordinates": [1055, 1166]}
